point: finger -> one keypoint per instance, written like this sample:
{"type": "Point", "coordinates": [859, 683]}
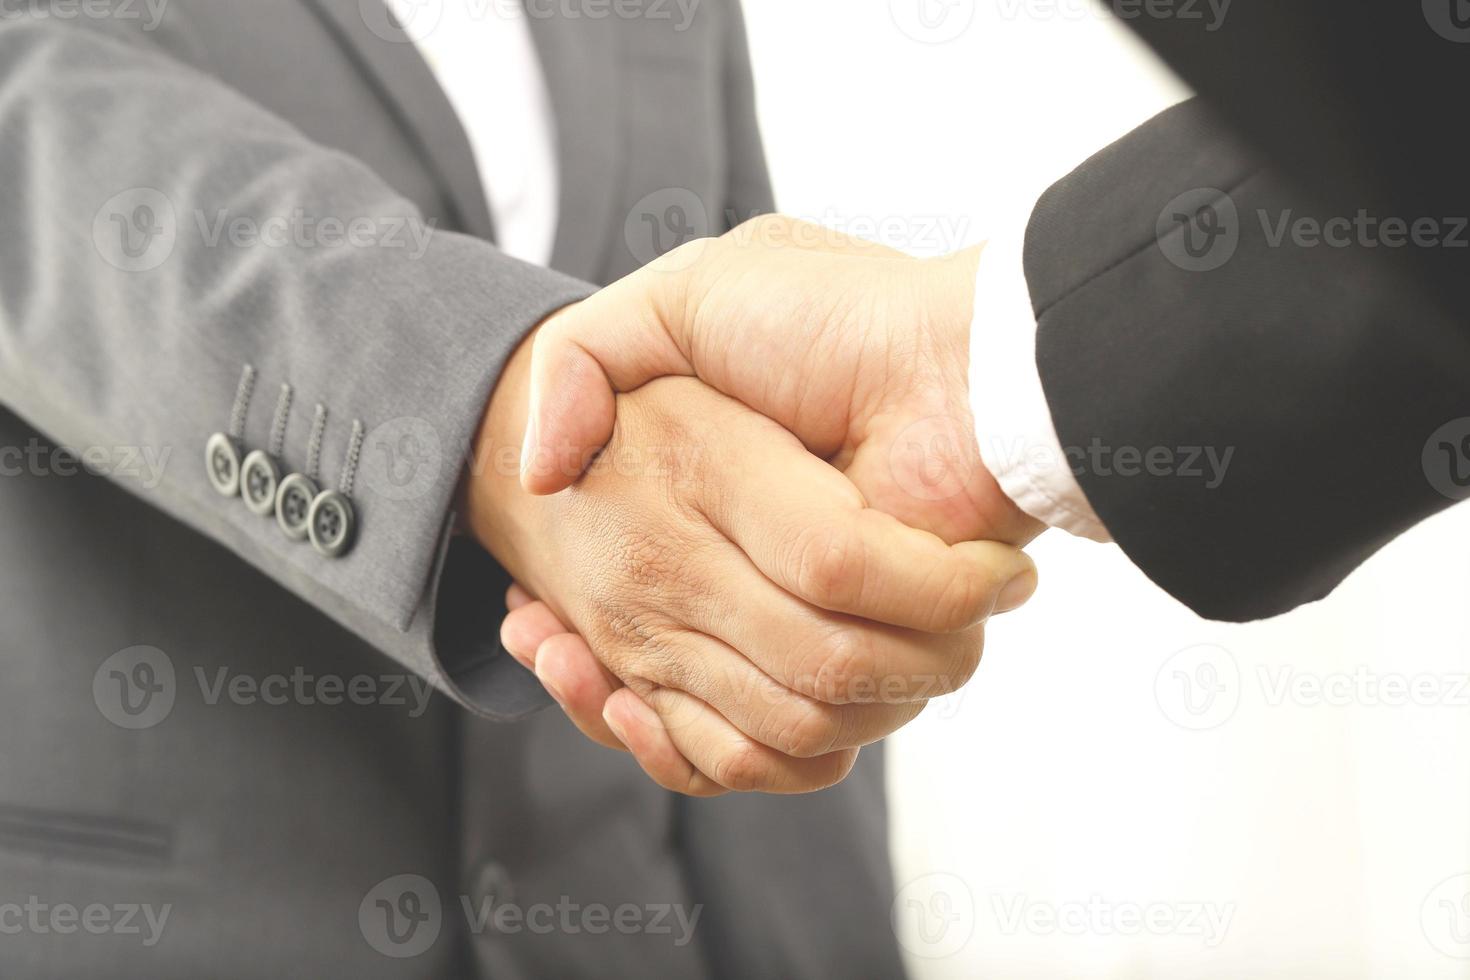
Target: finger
{"type": "Point", "coordinates": [516, 597]}
{"type": "Point", "coordinates": [526, 628]}
{"type": "Point", "coordinates": [828, 657]}
{"type": "Point", "coordinates": [806, 527]}
{"type": "Point", "coordinates": [760, 707]}
{"type": "Point", "coordinates": [735, 761]}
{"type": "Point", "coordinates": [581, 357]}
{"type": "Point", "coordinates": [643, 732]}
{"type": "Point", "coordinates": [572, 675]}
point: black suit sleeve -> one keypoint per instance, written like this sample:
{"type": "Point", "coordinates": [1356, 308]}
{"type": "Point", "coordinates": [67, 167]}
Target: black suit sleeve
{"type": "Point", "coordinates": [1361, 103]}
{"type": "Point", "coordinates": [1183, 307]}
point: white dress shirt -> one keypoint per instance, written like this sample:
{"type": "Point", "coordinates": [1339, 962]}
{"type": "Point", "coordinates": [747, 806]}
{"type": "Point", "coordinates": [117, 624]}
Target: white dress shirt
{"type": "Point", "coordinates": [484, 58]}
{"type": "Point", "coordinates": [1018, 441]}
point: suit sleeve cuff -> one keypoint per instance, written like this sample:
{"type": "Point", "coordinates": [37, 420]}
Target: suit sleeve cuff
{"type": "Point", "coordinates": [1018, 442]}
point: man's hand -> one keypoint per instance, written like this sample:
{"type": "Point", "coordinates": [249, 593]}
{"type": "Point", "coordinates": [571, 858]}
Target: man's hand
{"type": "Point", "coordinates": [766, 623]}
{"type": "Point", "coordinates": [861, 352]}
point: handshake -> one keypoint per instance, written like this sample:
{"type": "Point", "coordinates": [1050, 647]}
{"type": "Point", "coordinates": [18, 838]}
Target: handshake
{"type": "Point", "coordinates": [752, 529]}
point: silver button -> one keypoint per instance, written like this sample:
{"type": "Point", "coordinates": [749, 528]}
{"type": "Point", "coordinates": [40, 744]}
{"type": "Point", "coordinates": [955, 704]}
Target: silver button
{"type": "Point", "coordinates": [222, 464]}
{"type": "Point", "coordinates": [293, 505]}
{"type": "Point", "coordinates": [330, 522]}
{"type": "Point", "coordinates": [259, 477]}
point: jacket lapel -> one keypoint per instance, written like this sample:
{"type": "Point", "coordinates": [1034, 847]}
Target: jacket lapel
{"type": "Point", "coordinates": [407, 85]}
{"type": "Point", "coordinates": [582, 58]}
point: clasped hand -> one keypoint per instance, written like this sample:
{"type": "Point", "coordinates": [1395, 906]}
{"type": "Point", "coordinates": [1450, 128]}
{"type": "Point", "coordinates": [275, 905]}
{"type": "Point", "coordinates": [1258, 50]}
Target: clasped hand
{"type": "Point", "coordinates": [752, 539]}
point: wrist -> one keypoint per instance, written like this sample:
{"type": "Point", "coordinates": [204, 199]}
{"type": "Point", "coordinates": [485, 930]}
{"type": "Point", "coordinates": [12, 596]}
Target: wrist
{"type": "Point", "coordinates": [497, 512]}
{"type": "Point", "coordinates": [952, 286]}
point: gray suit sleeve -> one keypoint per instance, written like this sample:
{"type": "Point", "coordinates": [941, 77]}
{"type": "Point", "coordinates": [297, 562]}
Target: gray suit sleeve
{"type": "Point", "coordinates": [155, 248]}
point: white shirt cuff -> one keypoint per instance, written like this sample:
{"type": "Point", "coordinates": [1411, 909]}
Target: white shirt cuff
{"type": "Point", "coordinates": [1018, 441]}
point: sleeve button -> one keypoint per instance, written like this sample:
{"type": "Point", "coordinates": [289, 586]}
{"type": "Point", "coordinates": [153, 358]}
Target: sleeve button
{"type": "Point", "coordinates": [260, 475]}
{"type": "Point", "coordinates": [222, 464]}
{"type": "Point", "coordinates": [330, 523]}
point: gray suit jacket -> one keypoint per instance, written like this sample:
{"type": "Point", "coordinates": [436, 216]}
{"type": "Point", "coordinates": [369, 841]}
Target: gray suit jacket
{"type": "Point", "coordinates": [237, 753]}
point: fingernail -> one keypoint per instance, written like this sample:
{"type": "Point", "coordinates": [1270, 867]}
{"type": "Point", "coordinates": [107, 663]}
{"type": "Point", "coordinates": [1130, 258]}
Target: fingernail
{"type": "Point", "coordinates": [528, 446]}
{"type": "Point", "coordinates": [614, 726]}
{"type": "Point", "coordinates": [1016, 592]}
{"type": "Point", "coordinates": [643, 713]}
{"type": "Point", "coordinates": [552, 688]}
{"type": "Point", "coordinates": [518, 655]}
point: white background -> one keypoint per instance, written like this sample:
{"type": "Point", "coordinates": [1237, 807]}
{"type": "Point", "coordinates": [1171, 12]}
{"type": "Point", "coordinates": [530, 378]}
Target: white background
{"type": "Point", "coordinates": [1066, 780]}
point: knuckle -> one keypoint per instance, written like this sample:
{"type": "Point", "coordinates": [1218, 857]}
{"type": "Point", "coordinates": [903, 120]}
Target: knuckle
{"type": "Point", "coordinates": [962, 663]}
{"type": "Point", "coordinates": [634, 643]}
{"type": "Point", "coordinates": [965, 598]}
{"type": "Point", "coordinates": [742, 768]}
{"type": "Point", "coordinates": [830, 565]}
{"type": "Point", "coordinates": [842, 766]}
{"type": "Point", "coordinates": [843, 659]}
{"type": "Point", "coordinates": [807, 732]}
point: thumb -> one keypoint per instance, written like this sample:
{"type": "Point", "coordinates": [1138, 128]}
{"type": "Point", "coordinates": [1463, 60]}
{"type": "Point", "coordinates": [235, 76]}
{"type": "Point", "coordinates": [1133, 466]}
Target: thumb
{"type": "Point", "coordinates": [581, 358]}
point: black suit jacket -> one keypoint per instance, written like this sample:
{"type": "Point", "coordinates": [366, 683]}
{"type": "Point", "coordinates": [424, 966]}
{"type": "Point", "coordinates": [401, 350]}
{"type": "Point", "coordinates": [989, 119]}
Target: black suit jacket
{"type": "Point", "coordinates": [1227, 278]}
